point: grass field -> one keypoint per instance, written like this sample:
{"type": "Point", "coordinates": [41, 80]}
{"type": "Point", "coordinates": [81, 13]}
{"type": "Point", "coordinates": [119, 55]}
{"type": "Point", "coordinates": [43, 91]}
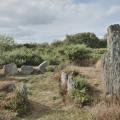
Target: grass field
{"type": "Point", "coordinates": [45, 100]}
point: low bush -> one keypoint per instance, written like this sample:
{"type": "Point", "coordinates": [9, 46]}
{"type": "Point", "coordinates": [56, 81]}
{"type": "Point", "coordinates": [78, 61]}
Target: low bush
{"type": "Point", "coordinates": [80, 93]}
{"type": "Point", "coordinates": [98, 53]}
{"type": "Point", "coordinates": [21, 57]}
{"type": "Point", "coordinates": [52, 59]}
{"type": "Point", "coordinates": [78, 53]}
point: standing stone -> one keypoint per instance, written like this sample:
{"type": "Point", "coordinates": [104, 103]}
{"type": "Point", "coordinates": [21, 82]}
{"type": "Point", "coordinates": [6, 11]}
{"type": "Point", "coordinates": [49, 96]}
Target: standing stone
{"type": "Point", "coordinates": [10, 69]}
{"type": "Point", "coordinates": [111, 61]}
{"type": "Point", "coordinates": [70, 84]}
{"type": "Point", "coordinates": [27, 70]}
{"type": "Point", "coordinates": [67, 82]}
{"type": "Point", "coordinates": [42, 67]}
{"type": "Point", "coordinates": [64, 80]}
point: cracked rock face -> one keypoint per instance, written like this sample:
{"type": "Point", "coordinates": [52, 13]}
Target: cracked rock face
{"type": "Point", "coordinates": [10, 69]}
{"type": "Point", "coordinates": [111, 61]}
{"type": "Point", "coordinates": [66, 82]}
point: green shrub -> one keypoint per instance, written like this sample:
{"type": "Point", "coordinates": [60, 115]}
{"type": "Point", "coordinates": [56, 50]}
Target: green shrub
{"type": "Point", "coordinates": [53, 56]}
{"type": "Point", "coordinates": [80, 92]}
{"type": "Point", "coordinates": [98, 53]}
{"type": "Point", "coordinates": [52, 59]}
{"type": "Point", "coordinates": [103, 43]}
{"type": "Point", "coordinates": [78, 53]}
{"type": "Point", "coordinates": [21, 57]}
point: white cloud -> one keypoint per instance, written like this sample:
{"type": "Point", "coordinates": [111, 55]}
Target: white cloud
{"type": "Point", "coordinates": [46, 20]}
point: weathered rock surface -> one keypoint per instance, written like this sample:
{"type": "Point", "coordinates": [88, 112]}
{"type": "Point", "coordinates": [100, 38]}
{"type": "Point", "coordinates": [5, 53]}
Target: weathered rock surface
{"type": "Point", "coordinates": [36, 70]}
{"type": "Point", "coordinates": [26, 70]}
{"type": "Point", "coordinates": [66, 82]}
{"type": "Point", "coordinates": [43, 66]}
{"type": "Point", "coordinates": [63, 78]}
{"type": "Point", "coordinates": [111, 61]}
{"type": "Point", "coordinates": [10, 69]}
{"type": "Point", "coordinates": [70, 83]}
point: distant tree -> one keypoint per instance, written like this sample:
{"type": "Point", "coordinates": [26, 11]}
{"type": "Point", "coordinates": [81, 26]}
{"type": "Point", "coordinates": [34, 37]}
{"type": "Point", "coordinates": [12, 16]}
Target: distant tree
{"type": "Point", "coordinates": [103, 43]}
{"type": "Point", "coordinates": [57, 43]}
{"type": "Point", "coordinates": [33, 45]}
{"type": "Point", "coordinates": [88, 39]}
{"type": "Point", "coordinates": [30, 45]}
{"type": "Point", "coordinates": [44, 45]}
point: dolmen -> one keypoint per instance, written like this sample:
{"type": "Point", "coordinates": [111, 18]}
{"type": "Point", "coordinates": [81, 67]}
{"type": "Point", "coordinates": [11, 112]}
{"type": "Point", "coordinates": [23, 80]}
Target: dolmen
{"type": "Point", "coordinates": [11, 69]}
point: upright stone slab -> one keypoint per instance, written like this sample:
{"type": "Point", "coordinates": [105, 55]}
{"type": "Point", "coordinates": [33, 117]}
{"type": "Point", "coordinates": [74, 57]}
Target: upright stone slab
{"type": "Point", "coordinates": [64, 79]}
{"type": "Point", "coordinates": [10, 69]}
{"type": "Point", "coordinates": [67, 82]}
{"type": "Point", "coordinates": [70, 83]}
{"type": "Point", "coordinates": [111, 61]}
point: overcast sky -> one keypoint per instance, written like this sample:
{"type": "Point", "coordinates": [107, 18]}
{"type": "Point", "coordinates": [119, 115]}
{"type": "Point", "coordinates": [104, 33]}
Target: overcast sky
{"type": "Point", "coordinates": [49, 20]}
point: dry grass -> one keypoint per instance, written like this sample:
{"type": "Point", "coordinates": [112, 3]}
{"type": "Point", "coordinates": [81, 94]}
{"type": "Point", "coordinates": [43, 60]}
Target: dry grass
{"type": "Point", "coordinates": [7, 115]}
{"type": "Point", "coordinates": [109, 109]}
{"type": "Point", "coordinates": [46, 102]}
{"type": "Point", "coordinates": [93, 76]}
{"type": "Point", "coordinates": [4, 85]}
{"type": "Point", "coordinates": [45, 99]}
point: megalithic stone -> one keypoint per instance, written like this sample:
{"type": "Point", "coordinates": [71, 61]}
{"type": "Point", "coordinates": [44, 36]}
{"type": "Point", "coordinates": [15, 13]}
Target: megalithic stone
{"type": "Point", "coordinates": [64, 79]}
{"type": "Point", "coordinates": [111, 61]}
{"type": "Point", "coordinates": [70, 84]}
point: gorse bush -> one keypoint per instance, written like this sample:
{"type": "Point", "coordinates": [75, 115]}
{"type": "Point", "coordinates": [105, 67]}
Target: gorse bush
{"type": "Point", "coordinates": [73, 49]}
{"type": "Point", "coordinates": [53, 56]}
{"type": "Point", "coordinates": [98, 53]}
{"type": "Point", "coordinates": [78, 53]}
{"type": "Point", "coordinates": [21, 56]}
{"type": "Point", "coordinates": [80, 92]}
{"type": "Point", "coordinates": [52, 59]}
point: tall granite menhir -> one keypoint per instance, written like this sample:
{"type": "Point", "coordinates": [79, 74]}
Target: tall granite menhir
{"type": "Point", "coordinates": [111, 61]}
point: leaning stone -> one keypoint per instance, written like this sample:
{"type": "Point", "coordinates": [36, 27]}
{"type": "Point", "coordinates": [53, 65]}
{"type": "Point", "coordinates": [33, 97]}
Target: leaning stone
{"type": "Point", "coordinates": [43, 66]}
{"type": "Point", "coordinates": [10, 69]}
{"type": "Point", "coordinates": [27, 70]}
